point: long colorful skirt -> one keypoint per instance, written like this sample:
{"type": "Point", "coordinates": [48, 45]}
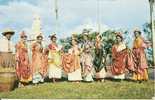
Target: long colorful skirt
{"type": "Point", "coordinates": [121, 76]}
{"type": "Point", "coordinates": [37, 77]}
{"type": "Point", "coordinates": [54, 71]}
{"type": "Point", "coordinates": [75, 76]}
{"type": "Point", "coordinates": [88, 74]}
{"type": "Point", "coordinates": [101, 74]}
{"type": "Point", "coordinates": [142, 76]}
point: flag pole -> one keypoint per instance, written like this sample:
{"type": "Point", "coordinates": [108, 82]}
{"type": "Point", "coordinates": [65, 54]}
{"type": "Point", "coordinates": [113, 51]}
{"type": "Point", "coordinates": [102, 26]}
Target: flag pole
{"type": "Point", "coordinates": [98, 15]}
{"type": "Point", "coordinates": [56, 14]}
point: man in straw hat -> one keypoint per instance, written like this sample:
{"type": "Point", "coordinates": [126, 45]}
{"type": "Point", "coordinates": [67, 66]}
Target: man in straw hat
{"type": "Point", "coordinates": [7, 49]}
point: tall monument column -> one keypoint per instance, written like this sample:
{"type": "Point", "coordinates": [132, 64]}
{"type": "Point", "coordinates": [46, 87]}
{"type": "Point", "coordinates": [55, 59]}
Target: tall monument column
{"type": "Point", "coordinates": [36, 27]}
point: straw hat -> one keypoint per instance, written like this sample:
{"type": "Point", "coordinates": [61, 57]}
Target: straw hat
{"type": "Point", "coordinates": [8, 31]}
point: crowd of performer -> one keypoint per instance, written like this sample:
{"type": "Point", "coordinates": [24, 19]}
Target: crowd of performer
{"type": "Point", "coordinates": [86, 62]}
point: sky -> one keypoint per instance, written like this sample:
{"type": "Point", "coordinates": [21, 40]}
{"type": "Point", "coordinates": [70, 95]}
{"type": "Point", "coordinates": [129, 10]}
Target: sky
{"type": "Point", "coordinates": [74, 15]}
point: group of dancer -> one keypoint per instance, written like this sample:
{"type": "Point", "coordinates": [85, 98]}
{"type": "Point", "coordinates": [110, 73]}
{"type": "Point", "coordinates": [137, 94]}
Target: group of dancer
{"type": "Point", "coordinates": [80, 63]}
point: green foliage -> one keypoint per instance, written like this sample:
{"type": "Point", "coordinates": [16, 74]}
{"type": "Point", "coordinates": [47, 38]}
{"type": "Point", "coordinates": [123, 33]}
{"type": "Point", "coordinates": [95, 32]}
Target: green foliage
{"type": "Point", "coordinates": [149, 51]}
{"type": "Point", "coordinates": [66, 43]}
{"type": "Point", "coordinates": [147, 30]}
{"type": "Point", "coordinates": [108, 40]}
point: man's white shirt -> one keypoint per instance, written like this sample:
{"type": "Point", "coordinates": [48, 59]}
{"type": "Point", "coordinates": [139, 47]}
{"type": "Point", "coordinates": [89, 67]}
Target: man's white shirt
{"type": "Point", "coordinates": [5, 45]}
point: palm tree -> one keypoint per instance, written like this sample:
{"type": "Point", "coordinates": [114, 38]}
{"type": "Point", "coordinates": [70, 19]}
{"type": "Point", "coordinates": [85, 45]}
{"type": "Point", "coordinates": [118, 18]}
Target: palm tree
{"type": "Point", "coordinates": [151, 2]}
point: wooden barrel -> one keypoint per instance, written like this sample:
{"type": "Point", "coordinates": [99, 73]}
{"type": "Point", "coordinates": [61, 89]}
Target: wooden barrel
{"type": "Point", "coordinates": [8, 81]}
{"type": "Point", "coordinates": [7, 59]}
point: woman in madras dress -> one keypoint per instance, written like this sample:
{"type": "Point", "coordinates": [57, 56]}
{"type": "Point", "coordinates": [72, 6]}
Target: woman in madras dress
{"type": "Point", "coordinates": [121, 59]}
{"type": "Point", "coordinates": [39, 61]}
{"type": "Point", "coordinates": [54, 60]}
{"type": "Point", "coordinates": [75, 67]}
{"type": "Point", "coordinates": [99, 60]}
{"type": "Point", "coordinates": [23, 69]}
{"type": "Point", "coordinates": [141, 66]}
{"type": "Point", "coordinates": [87, 59]}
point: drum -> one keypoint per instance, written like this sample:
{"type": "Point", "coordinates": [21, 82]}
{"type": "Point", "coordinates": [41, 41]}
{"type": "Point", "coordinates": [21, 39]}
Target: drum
{"type": "Point", "coordinates": [7, 59]}
{"type": "Point", "coordinates": [8, 81]}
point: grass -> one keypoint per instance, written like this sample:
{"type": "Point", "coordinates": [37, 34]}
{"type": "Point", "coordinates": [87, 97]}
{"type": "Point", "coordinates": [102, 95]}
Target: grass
{"type": "Point", "coordinates": [95, 90]}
